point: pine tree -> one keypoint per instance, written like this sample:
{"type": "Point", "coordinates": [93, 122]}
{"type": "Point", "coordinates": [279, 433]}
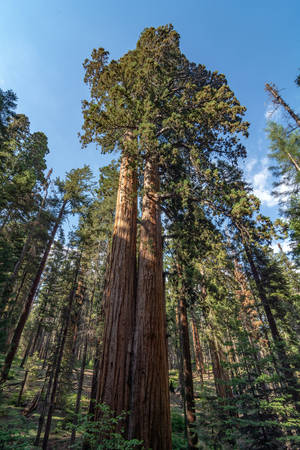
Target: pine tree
{"type": "Point", "coordinates": [74, 191]}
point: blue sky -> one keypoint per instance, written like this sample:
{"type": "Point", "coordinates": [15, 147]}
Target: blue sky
{"type": "Point", "coordinates": [43, 45]}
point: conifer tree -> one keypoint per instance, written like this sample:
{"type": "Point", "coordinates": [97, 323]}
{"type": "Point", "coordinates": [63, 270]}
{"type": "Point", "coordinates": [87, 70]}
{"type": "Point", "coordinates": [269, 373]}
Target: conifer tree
{"type": "Point", "coordinates": [74, 191]}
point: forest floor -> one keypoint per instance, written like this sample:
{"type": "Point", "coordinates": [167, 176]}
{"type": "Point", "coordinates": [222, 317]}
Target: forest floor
{"type": "Point", "coordinates": [18, 431]}
{"type": "Point", "coordinates": [202, 393]}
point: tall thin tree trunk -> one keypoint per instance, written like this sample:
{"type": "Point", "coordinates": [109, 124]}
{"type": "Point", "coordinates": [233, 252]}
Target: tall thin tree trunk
{"type": "Point", "coordinates": [32, 341]}
{"type": "Point", "coordinates": [44, 409]}
{"type": "Point", "coordinates": [36, 338]}
{"type": "Point", "coordinates": [273, 327]}
{"type": "Point", "coordinates": [26, 311]}
{"type": "Point", "coordinates": [79, 390]}
{"type": "Point", "coordinates": [94, 383]}
{"type": "Point", "coordinates": [279, 100]}
{"type": "Point", "coordinates": [197, 349]}
{"type": "Point", "coordinates": [180, 367]}
{"type": "Point", "coordinates": [119, 298]}
{"type": "Point", "coordinates": [6, 308]}
{"type": "Point", "coordinates": [187, 370]}
{"type": "Point", "coordinates": [28, 348]}
{"type": "Point", "coordinates": [44, 350]}
{"type": "Point", "coordinates": [22, 387]}
{"type": "Point", "coordinates": [33, 405]}
{"type": "Point", "coordinates": [27, 244]}
{"type": "Point", "coordinates": [59, 359]}
{"type": "Point", "coordinates": [286, 369]}
{"type": "Point", "coordinates": [150, 410]}
{"type": "Point", "coordinates": [7, 315]}
{"type": "Point", "coordinates": [221, 378]}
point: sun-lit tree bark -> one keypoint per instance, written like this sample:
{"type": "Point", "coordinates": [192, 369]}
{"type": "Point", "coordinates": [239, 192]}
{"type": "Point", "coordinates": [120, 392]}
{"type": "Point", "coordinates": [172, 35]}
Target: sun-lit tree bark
{"type": "Point", "coordinates": [119, 297]}
{"type": "Point", "coordinates": [150, 410]}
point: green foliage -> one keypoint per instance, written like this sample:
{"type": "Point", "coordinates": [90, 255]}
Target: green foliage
{"type": "Point", "coordinates": [189, 120]}
{"type": "Point", "coordinates": [12, 438]}
{"type": "Point", "coordinates": [285, 147]}
{"type": "Point", "coordinates": [14, 429]}
{"type": "Point", "coordinates": [285, 151]}
{"type": "Point", "coordinates": [293, 214]}
{"type": "Point", "coordinates": [77, 185]}
{"type": "Point", "coordinates": [178, 430]}
{"type": "Point", "coordinates": [8, 105]}
{"type": "Point", "coordinates": [107, 430]}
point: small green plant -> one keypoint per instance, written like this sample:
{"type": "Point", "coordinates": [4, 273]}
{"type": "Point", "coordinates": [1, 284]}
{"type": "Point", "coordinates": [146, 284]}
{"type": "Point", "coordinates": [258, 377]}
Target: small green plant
{"type": "Point", "coordinates": [107, 431]}
{"type": "Point", "coordinates": [11, 437]}
{"type": "Point", "coordinates": [178, 439]}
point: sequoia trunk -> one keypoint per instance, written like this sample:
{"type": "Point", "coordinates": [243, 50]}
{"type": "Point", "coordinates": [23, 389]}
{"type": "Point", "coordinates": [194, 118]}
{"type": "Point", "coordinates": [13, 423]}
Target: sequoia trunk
{"type": "Point", "coordinates": [150, 411]}
{"type": "Point", "coordinates": [119, 298]}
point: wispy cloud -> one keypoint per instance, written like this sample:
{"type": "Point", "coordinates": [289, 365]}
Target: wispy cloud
{"type": "Point", "coordinates": [261, 181]}
{"type": "Point", "coordinates": [273, 112]}
{"type": "Point", "coordinates": [250, 165]}
{"type": "Point", "coordinates": [285, 246]}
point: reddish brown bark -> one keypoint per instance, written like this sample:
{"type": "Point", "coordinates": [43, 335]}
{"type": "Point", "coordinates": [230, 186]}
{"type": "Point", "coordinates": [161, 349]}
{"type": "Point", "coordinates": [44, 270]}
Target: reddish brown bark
{"type": "Point", "coordinates": [220, 374]}
{"type": "Point", "coordinates": [180, 366]}
{"type": "Point", "coordinates": [150, 411]}
{"type": "Point", "coordinates": [119, 298]}
{"type": "Point", "coordinates": [187, 372]}
{"type": "Point", "coordinates": [248, 314]}
{"type": "Point", "coordinates": [199, 358]}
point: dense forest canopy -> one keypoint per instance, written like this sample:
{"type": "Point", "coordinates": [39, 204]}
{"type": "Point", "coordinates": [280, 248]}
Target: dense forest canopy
{"type": "Point", "coordinates": [164, 320]}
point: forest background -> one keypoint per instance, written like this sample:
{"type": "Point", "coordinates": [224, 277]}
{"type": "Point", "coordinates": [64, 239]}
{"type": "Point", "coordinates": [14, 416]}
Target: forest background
{"type": "Point", "coordinates": [217, 274]}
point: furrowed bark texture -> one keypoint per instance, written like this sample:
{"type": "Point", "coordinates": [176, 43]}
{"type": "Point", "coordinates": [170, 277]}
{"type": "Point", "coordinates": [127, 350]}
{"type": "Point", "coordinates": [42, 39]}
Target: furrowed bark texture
{"type": "Point", "coordinates": [119, 298]}
{"type": "Point", "coordinates": [150, 414]}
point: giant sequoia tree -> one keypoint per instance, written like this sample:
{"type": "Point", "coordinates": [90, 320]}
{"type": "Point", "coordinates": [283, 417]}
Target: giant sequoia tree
{"type": "Point", "coordinates": [170, 242]}
{"type": "Point", "coordinates": [151, 103]}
